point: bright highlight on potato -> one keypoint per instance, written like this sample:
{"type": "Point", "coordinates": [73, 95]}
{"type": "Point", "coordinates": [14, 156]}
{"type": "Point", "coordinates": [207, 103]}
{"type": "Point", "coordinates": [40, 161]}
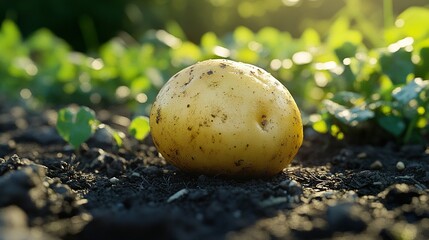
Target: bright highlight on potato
{"type": "Point", "coordinates": [220, 117]}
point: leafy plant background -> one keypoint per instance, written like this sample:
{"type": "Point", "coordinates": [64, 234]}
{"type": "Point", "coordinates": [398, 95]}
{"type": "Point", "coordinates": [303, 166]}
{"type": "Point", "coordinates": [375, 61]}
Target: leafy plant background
{"type": "Point", "coordinates": [352, 77]}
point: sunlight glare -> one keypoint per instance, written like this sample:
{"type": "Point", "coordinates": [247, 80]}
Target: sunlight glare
{"type": "Point", "coordinates": [276, 64]}
{"type": "Point", "coordinates": [321, 79]}
{"type": "Point", "coordinates": [97, 64]}
{"type": "Point", "coordinates": [399, 23]}
{"type": "Point", "coordinates": [141, 98]}
{"type": "Point", "coordinates": [302, 58]}
{"type": "Point", "coordinates": [255, 46]}
{"type": "Point", "coordinates": [25, 93]}
{"type": "Point", "coordinates": [95, 98]}
{"type": "Point", "coordinates": [168, 39]}
{"type": "Point", "coordinates": [221, 51]}
{"type": "Point", "coordinates": [122, 92]}
{"type": "Point", "coordinates": [326, 65]}
{"type": "Point", "coordinates": [27, 65]}
{"type": "Point", "coordinates": [347, 61]}
{"type": "Point", "coordinates": [290, 3]}
{"type": "Point", "coordinates": [287, 63]}
{"type": "Point", "coordinates": [403, 43]}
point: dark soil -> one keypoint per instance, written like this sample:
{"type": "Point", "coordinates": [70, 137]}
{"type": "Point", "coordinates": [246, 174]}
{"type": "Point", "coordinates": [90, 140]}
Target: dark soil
{"type": "Point", "coordinates": [332, 190]}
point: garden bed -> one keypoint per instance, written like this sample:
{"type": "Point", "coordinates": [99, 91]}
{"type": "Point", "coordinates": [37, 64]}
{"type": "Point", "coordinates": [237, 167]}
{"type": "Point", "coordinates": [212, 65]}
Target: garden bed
{"type": "Point", "coordinates": [331, 190]}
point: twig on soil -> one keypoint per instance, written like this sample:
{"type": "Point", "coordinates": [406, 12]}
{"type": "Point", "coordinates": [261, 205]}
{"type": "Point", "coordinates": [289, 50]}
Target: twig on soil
{"type": "Point", "coordinates": [144, 181]}
{"type": "Point", "coordinates": [179, 194]}
{"type": "Point", "coordinates": [313, 176]}
{"type": "Point", "coordinates": [166, 182]}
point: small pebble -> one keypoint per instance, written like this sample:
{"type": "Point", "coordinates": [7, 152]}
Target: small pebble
{"type": "Point", "coordinates": [236, 214]}
{"type": "Point", "coordinates": [272, 201]}
{"type": "Point", "coordinates": [400, 166]}
{"type": "Point", "coordinates": [376, 165]}
{"type": "Point", "coordinates": [135, 174]}
{"type": "Point", "coordinates": [347, 217]}
{"type": "Point", "coordinates": [202, 178]}
{"type": "Point", "coordinates": [199, 216]}
{"type": "Point", "coordinates": [81, 202]}
{"type": "Point", "coordinates": [114, 180]}
{"type": "Point", "coordinates": [102, 137]}
{"type": "Point", "coordinates": [351, 196]}
{"type": "Point", "coordinates": [377, 183]}
{"type": "Point", "coordinates": [291, 186]}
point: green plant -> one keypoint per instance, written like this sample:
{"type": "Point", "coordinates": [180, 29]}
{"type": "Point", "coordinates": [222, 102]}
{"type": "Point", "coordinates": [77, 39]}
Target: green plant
{"type": "Point", "coordinates": [139, 127]}
{"type": "Point", "coordinates": [404, 116]}
{"type": "Point", "coordinates": [382, 88]}
{"type": "Point", "coordinates": [77, 124]}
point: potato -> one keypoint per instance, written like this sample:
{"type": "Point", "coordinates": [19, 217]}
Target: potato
{"type": "Point", "coordinates": [220, 117]}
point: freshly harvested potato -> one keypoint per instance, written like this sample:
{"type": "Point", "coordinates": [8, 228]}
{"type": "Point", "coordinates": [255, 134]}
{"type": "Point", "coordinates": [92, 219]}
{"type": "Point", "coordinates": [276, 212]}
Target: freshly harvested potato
{"type": "Point", "coordinates": [220, 117]}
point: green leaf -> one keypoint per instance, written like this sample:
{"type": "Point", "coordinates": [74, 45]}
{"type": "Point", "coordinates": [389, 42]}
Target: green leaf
{"type": "Point", "coordinates": [347, 50]}
{"type": "Point", "coordinates": [246, 55]}
{"type": "Point", "coordinates": [347, 98]}
{"type": "Point", "coordinates": [243, 35]}
{"type": "Point", "coordinates": [320, 126]}
{"type": "Point", "coordinates": [310, 38]}
{"type": "Point", "coordinates": [349, 116]}
{"type": "Point", "coordinates": [270, 37]}
{"type": "Point", "coordinates": [186, 54]}
{"type": "Point", "coordinates": [10, 33]}
{"type": "Point", "coordinates": [422, 68]}
{"type": "Point", "coordinates": [139, 127]}
{"type": "Point", "coordinates": [209, 41]}
{"type": "Point", "coordinates": [140, 85]}
{"type": "Point", "coordinates": [175, 29]}
{"type": "Point", "coordinates": [117, 136]}
{"type": "Point", "coordinates": [112, 52]}
{"type": "Point", "coordinates": [46, 42]}
{"type": "Point", "coordinates": [76, 126]}
{"type": "Point", "coordinates": [393, 124]}
{"type": "Point", "coordinates": [410, 91]}
{"type": "Point", "coordinates": [397, 65]}
{"type": "Point", "coordinates": [415, 22]}
{"type": "Point", "coordinates": [340, 33]}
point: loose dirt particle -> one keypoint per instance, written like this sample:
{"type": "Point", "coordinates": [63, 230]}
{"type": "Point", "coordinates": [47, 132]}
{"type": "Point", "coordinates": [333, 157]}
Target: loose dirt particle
{"type": "Point", "coordinates": [400, 166]}
{"type": "Point", "coordinates": [376, 165]}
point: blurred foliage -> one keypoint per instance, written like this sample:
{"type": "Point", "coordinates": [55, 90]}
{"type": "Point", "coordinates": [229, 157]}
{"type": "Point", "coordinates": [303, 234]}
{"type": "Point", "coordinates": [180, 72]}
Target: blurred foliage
{"type": "Point", "coordinates": [88, 24]}
{"type": "Point", "coordinates": [139, 127]}
{"type": "Point", "coordinates": [84, 24]}
{"type": "Point", "coordinates": [342, 86]}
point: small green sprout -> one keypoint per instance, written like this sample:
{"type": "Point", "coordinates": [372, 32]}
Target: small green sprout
{"type": "Point", "coordinates": [139, 127]}
{"type": "Point", "coordinates": [117, 135]}
{"type": "Point", "coordinates": [76, 125]}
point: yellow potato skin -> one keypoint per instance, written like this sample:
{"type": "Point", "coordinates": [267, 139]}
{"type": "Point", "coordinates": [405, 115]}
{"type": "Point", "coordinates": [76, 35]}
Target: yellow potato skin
{"type": "Point", "coordinates": [220, 117]}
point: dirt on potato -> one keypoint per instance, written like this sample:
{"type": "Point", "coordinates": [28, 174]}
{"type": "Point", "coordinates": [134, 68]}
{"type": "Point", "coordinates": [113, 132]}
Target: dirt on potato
{"type": "Point", "coordinates": [332, 190]}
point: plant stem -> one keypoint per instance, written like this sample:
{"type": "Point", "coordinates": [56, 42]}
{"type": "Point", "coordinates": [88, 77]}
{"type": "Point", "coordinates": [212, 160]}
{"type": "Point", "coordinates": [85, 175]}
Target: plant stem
{"type": "Point", "coordinates": [410, 129]}
{"type": "Point", "coordinates": [89, 32]}
{"type": "Point", "coordinates": [388, 13]}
